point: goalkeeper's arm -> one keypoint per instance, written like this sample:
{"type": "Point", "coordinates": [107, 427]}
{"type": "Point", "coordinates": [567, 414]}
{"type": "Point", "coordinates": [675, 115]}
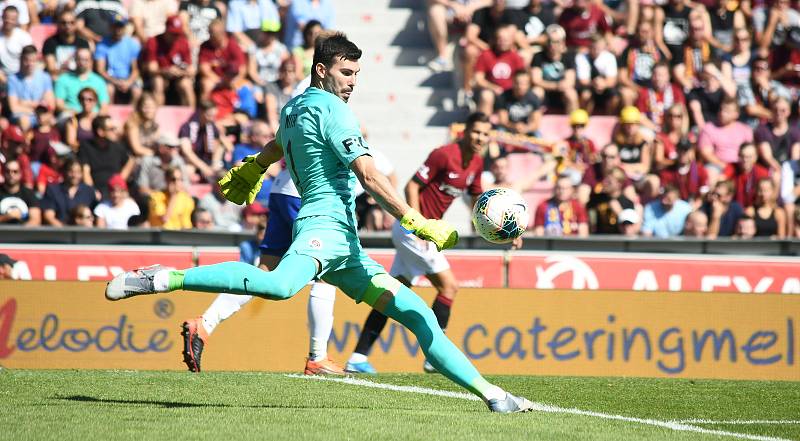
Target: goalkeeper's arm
{"type": "Point", "coordinates": [270, 154]}
{"type": "Point", "coordinates": [377, 185]}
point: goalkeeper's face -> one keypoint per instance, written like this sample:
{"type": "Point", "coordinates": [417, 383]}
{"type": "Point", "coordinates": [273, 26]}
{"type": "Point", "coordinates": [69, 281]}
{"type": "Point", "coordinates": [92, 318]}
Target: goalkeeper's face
{"type": "Point", "coordinates": [340, 79]}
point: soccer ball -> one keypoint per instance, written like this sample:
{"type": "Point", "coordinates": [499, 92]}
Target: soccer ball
{"type": "Point", "coordinates": [500, 215]}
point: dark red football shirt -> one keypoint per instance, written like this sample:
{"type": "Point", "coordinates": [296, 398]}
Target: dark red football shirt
{"type": "Point", "coordinates": [745, 184]}
{"type": "Point", "coordinates": [221, 57]}
{"type": "Point", "coordinates": [582, 25]}
{"type": "Point", "coordinates": [443, 178]}
{"type": "Point", "coordinates": [178, 53]}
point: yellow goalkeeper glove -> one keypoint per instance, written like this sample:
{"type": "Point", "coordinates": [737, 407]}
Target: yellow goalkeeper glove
{"type": "Point", "coordinates": [437, 231]}
{"type": "Point", "coordinates": [242, 183]}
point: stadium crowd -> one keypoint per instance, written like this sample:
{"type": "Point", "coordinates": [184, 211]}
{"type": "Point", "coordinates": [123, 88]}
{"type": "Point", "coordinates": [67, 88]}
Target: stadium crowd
{"type": "Point", "coordinates": [706, 93]}
{"type": "Point", "coordinates": [707, 142]}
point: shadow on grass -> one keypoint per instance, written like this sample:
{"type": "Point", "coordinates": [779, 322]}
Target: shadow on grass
{"type": "Point", "coordinates": [176, 404]}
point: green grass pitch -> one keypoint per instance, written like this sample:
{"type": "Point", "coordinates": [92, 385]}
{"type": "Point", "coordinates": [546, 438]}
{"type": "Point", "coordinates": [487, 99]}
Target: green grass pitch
{"type": "Point", "coordinates": [224, 406]}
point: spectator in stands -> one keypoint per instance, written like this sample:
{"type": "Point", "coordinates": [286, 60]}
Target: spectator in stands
{"type": "Point", "coordinates": [95, 18]}
{"type": "Point", "coordinates": [252, 215]}
{"type": "Point", "coordinates": [725, 24]}
{"type": "Point", "coordinates": [596, 75]}
{"type": "Point", "coordinates": [629, 223]}
{"type": "Point", "coordinates": [478, 37]}
{"type": "Point", "coordinates": [60, 199]}
{"type": "Point", "coordinates": [745, 228]}
{"type": "Point", "coordinates": [59, 49]}
{"type": "Point", "coordinates": [740, 61]}
{"type": "Point", "coordinates": [69, 85]}
{"type": "Point", "coordinates": [152, 168]}
{"type": "Point", "coordinates": [674, 129]}
{"type": "Point", "coordinates": [580, 153]}
{"type": "Point", "coordinates": [81, 216]}
{"type": "Point", "coordinates": [149, 16]}
{"type": "Point", "coordinates": [722, 210]}
{"type": "Point", "coordinates": [168, 59]}
{"type": "Point", "coordinates": [721, 140]}
{"type": "Point", "coordinates": [265, 59]}
{"type": "Point", "coordinates": [259, 134]}
{"type": "Point", "coordinates": [12, 40]}
{"type": "Point", "coordinates": [695, 53]}
{"type": "Point", "coordinates": [635, 151]}
{"type": "Point", "coordinates": [495, 67]}
{"type": "Point", "coordinates": [198, 14]}
{"type": "Point", "coordinates": [202, 144]}
{"type": "Point", "coordinates": [44, 136]}
{"type": "Point", "coordinates": [518, 109]}
{"type": "Point", "coordinates": [202, 219]}
{"type": "Point", "coordinates": [553, 72]}
{"type": "Point", "coordinates": [118, 208]}
{"type": "Point", "coordinates": [26, 10]}
{"type": "Point", "coordinates": [604, 208]}
{"type": "Point", "coordinates": [142, 131]}
{"type": "Point", "coordinates": [705, 101]}
{"type": "Point", "coordinates": [673, 25]}
{"type": "Point", "coordinates": [594, 175]}
{"type": "Point", "coordinates": [304, 55]}
{"type": "Point", "coordinates": [247, 18]}
{"type": "Point", "coordinates": [776, 140]}
{"type": "Point", "coordinates": [172, 207]}
{"type": "Point", "coordinates": [531, 22]}
{"type": "Point", "coordinates": [696, 225]}
{"type": "Point", "coordinates": [775, 36]}
{"type": "Point", "coordinates": [562, 215]}
{"type": "Point", "coordinates": [103, 156]}
{"type": "Point", "coordinates": [790, 193]}
{"type": "Point", "coordinates": [637, 62]}
{"type": "Point", "coordinates": [15, 147]}
{"type": "Point", "coordinates": [755, 98]}
{"type": "Point", "coordinates": [745, 175]}
{"type": "Point", "coordinates": [581, 21]}
{"type": "Point", "coordinates": [499, 169]}
{"type": "Point", "coordinates": [27, 89]}
{"type": "Point", "coordinates": [78, 128]}
{"type": "Point", "coordinates": [441, 15]}
{"type": "Point", "coordinates": [226, 98]}
{"type": "Point", "coordinates": [50, 169]}
{"type": "Point", "coordinates": [7, 267]}
{"type": "Point", "coordinates": [116, 60]}
{"type": "Point", "coordinates": [226, 214]}
{"type": "Point", "coordinates": [655, 100]}
{"type": "Point", "coordinates": [18, 203]}
{"type": "Point", "coordinates": [687, 174]}
{"type": "Point", "coordinates": [216, 54]}
{"type": "Point", "coordinates": [769, 217]}
{"type": "Point", "coordinates": [279, 92]}
{"type": "Point", "coordinates": [301, 12]}
{"type": "Point", "coordinates": [665, 216]}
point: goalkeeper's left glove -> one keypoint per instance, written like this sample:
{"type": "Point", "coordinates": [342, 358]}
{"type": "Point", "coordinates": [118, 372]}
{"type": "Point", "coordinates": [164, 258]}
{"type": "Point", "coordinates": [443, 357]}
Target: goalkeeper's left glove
{"type": "Point", "coordinates": [437, 231]}
{"type": "Point", "coordinates": [242, 183]}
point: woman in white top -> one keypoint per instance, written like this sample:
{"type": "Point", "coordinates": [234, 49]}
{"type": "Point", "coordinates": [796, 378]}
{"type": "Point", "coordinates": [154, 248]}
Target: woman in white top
{"type": "Point", "coordinates": [117, 211]}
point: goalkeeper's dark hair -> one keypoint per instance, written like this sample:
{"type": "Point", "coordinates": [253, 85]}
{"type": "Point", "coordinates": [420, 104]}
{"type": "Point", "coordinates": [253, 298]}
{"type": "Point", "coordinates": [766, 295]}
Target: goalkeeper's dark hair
{"type": "Point", "coordinates": [330, 47]}
{"type": "Point", "coordinates": [476, 117]}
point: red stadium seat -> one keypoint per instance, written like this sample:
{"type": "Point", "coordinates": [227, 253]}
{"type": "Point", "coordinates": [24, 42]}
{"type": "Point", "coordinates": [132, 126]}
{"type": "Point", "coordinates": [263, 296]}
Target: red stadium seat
{"type": "Point", "coordinates": [170, 118]}
{"type": "Point", "coordinates": [519, 166]}
{"type": "Point", "coordinates": [40, 33]}
{"type": "Point", "coordinates": [199, 190]}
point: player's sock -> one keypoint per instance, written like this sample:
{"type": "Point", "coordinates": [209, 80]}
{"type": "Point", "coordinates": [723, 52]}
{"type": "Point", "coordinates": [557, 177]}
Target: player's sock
{"type": "Point", "coordinates": [441, 309]}
{"type": "Point", "coordinates": [372, 329]}
{"type": "Point", "coordinates": [224, 306]}
{"type": "Point", "coordinates": [320, 319]}
{"type": "Point", "coordinates": [412, 312]}
{"type": "Point", "coordinates": [357, 358]}
{"type": "Point", "coordinates": [291, 275]}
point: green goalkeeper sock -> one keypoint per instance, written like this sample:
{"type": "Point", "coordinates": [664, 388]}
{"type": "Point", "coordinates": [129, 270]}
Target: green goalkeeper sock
{"type": "Point", "coordinates": [175, 280]}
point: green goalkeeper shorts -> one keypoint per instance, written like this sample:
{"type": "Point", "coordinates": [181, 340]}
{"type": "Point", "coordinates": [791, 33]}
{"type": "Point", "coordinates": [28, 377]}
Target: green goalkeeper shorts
{"type": "Point", "coordinates": [343, 262]}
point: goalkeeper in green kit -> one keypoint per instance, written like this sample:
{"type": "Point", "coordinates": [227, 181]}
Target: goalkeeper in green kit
{"type": "Point", "coordinates": [321, 141]}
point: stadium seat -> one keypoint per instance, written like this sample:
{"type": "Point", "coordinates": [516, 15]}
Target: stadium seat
{"type": "Point", "coordinates": [40, 33]}
{"type": "Point", "coordinates": [199, 190]}
{"type": "Point", "coordinates": [521, 164]}
{"type": "Point", "coordinates": [170, 118]}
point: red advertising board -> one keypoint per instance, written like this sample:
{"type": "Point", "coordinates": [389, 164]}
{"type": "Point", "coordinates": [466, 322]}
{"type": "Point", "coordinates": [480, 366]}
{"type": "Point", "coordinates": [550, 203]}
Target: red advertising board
{"type": "Point", "coordinates": [650, 272]}
{"type": "Point", "coordinates": [593, 271]}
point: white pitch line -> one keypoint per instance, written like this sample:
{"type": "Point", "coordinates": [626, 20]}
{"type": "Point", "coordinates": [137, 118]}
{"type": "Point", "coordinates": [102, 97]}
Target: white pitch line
{"type": "Point", "coordinates": [736, 422]}
{"type": "Point", "coordinates": [541, 407]}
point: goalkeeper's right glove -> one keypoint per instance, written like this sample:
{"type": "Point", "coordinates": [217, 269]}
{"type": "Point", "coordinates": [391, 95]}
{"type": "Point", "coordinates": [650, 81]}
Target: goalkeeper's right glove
{"type": "Point", "coordinates": [437, 231]}
{"type": "Point", "coordinates": [242, 183]}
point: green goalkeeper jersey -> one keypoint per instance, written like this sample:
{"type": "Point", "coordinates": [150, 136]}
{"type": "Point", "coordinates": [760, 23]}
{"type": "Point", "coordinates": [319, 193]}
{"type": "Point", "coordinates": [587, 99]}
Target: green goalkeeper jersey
{"type": "Point", "coordinates": [320, 137]}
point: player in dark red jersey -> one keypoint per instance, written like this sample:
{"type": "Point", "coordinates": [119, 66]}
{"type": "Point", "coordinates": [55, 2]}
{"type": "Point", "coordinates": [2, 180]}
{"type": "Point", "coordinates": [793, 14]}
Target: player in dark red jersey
{"type": "Point", "coordinates": [448, 171]}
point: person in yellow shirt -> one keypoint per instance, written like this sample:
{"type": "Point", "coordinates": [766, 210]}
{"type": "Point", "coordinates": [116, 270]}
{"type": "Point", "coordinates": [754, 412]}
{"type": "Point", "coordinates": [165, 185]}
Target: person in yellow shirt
{"type": "Point", "coordinates": [172, 208]}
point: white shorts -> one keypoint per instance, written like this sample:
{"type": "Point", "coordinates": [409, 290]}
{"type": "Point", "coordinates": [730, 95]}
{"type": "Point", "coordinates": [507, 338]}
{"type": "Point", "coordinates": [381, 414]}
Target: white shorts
{"type": "Point", "coordinates": [415, 257]}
